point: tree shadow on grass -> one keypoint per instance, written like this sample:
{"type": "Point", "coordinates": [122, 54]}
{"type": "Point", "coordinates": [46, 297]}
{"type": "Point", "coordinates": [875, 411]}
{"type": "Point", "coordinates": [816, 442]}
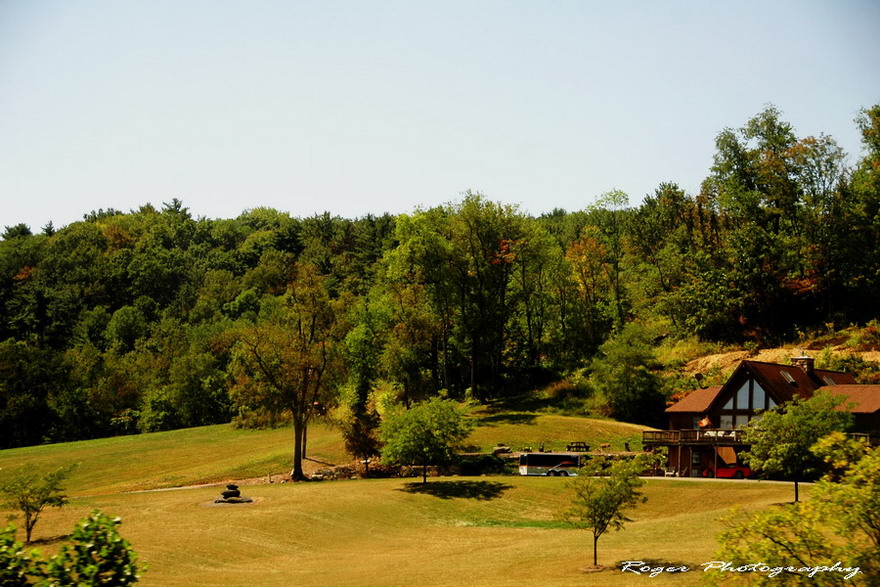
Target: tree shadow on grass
{"type": "Point", "coordinates": [49, 540]}
{"type": "Point", "coordinates": [480, 490]}
{"type": "Point", "coordinates": [496, 419]}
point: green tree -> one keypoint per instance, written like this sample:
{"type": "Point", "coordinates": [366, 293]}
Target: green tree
{"type": "Point", "coordinates": [361, 436]}
{"type": "Point", "coordinates": [287, 362]}
{"type": "Point", "coordinates": [780, 440]}
{"type": "Point", "coordinates": [603, 494]}
{"type": "Point", "coordinates": [624, 377]}
{"type": "Point", "coordinates": [840, 523]}
{"type": "Point", "coordinates": [30, 492]}
{"type": "Point", "coordinates": [95, 555]}
{"type": "Point", "coordinates": [426, 434]}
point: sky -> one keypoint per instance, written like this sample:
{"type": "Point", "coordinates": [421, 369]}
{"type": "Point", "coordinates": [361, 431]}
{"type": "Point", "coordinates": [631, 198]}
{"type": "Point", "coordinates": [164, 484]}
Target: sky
{"type": "Point", "coordinates": [359, 106]}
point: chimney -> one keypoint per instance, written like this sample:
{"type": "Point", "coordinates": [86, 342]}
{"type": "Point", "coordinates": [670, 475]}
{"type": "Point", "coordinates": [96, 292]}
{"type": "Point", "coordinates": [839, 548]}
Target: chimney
{"type": "Point", "coordinates": [805, 363]}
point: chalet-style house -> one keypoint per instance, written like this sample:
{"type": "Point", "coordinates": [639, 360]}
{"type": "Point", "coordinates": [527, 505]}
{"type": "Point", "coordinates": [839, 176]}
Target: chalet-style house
{"type": "Point", "coordinates": [704, 427]}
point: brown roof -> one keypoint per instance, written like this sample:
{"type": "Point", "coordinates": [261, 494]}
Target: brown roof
{"type": "Point", "coordinates": [786, 381]}
{"type": "Point", "coordinates": [698, 400]}
{"type": "Point", "coordinates": [865, 397]}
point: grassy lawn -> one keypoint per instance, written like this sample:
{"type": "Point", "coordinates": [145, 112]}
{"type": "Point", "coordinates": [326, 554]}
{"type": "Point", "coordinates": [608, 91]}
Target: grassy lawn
{"type": "Point", "coordinates": [219, 453]}
{"type": "Point", "coordinates": [455, 531]}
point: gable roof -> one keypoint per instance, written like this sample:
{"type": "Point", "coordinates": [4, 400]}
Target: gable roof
{"type": "Point", "coordinates": [865, 397]}
{"type": "Point", "coordinates": [698, 400]}
{"type": "Point", "coordinates": [784, 382]}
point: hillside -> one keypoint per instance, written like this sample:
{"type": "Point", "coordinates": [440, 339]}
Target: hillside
{"type": "Point", "coordinates": [213, 454]}
{"type": "Point", "coordinates": [727, 361]}
{"type": "Point", "coordinates": [455, 530]}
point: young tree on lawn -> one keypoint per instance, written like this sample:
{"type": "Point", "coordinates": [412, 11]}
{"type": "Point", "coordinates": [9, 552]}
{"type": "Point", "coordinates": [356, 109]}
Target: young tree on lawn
{"type": "Point", "coordinates": [604, 493]}
{"type": "Point", "coordinates": [426, 434]}
{"type": "Point", "coordinates": [288, 360]}
{"type": "Point", "coordinates": [780, 440]}
{"type": "Point", "coordinates": [30, 491]}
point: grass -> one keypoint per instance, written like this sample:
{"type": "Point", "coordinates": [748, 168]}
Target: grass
{"type": "Point", "coordinates": [176, 458]}
{"type": "Point", "coordinates": [504, 530]}
{"type": "Point", "coordinates": [220, 453]}
{"type": "Point", "coordinates": [485, 531]}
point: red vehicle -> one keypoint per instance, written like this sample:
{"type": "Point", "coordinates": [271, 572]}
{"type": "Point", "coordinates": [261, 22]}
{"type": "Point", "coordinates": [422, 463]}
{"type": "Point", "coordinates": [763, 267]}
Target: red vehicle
{"type": "Point", "coordinates": [734, 471]}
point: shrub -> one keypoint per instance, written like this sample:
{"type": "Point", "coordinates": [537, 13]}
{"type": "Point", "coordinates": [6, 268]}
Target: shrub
{"type": "Point", "coordinates": [95, 555]}
{"type": "Point", "coordinates": [15, 563]}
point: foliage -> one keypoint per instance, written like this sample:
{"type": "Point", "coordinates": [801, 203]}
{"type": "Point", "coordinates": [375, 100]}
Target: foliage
{"type": "Point", "coordinates": [604, 493]}
{"type": "Point", "coordinates": [138, 313]}
{"type": "Point", "coordinates": [95, 555]}
{"type": "Point", "coordinates": [624, 376]}
{"type": "Point", "coordinates": [779, 442]}
{"type": "Point", "coordinates": [288, 360]}
{"type": "Point", "coordinates": [839, 525]}
{"type": "Point", "coordinates": [30, 492]}
{"type": "Point", "coordinates": [15, 563]}
{"type": "Point", "coordinates": [360, 434]}
{"type": "Point", "coordinates": [426, 434]}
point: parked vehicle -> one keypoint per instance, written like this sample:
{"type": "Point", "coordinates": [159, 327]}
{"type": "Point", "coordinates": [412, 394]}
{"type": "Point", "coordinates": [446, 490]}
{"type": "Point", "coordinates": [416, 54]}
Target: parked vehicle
{"type": "Point", "coordinates": [732, 471]}
{"type": "Point", "coordinates": [553, 464]}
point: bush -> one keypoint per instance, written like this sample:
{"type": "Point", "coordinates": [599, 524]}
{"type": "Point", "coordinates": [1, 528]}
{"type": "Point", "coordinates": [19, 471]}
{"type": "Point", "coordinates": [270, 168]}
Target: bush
{"type": "Point", "coordinates": [95, 555]}
{"type": "Point", "coordinates": [15, 563]}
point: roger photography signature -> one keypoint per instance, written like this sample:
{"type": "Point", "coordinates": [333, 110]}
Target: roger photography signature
{"type": "Point", "coordinates": [657, 569]}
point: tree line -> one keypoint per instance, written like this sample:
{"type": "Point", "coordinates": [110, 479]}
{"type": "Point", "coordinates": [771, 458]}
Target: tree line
{"type": "Point", "coordinates": [154, 319]}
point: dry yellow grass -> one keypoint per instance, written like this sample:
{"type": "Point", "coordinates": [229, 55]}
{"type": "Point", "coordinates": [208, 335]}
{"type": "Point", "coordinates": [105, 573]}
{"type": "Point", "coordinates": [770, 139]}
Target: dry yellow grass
{"type": "Point", "coordinates": [474, 531]}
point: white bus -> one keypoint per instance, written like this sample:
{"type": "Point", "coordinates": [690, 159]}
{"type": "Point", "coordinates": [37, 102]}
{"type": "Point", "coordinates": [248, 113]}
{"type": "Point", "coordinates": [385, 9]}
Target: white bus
{"type": "Point", "coordinates": [554, 464]}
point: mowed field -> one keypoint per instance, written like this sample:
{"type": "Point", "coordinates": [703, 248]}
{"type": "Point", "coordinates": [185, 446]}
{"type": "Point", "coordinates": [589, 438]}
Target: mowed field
{"type": "Point", "coordinates": [502, 530]}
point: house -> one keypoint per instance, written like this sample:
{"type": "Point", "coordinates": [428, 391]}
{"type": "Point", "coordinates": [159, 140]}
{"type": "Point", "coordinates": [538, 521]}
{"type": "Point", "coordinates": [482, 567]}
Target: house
{"type": "Point", "coordinates": [705, 427]}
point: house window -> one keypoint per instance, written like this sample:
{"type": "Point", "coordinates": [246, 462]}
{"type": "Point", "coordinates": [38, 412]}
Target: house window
{"type": "Point", "coordinates": [743, 404]}
{"type": "Point", "coordinates": [759, 398]}
{"type": "Point", "coordinates": [742, 397]}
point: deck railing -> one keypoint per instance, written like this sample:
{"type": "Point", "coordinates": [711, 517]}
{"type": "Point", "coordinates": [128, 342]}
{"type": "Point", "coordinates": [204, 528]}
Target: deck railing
{"type": "Point", "coordinates": [708, 436]}
{"type": "Point", "coordinates": [720, 436]}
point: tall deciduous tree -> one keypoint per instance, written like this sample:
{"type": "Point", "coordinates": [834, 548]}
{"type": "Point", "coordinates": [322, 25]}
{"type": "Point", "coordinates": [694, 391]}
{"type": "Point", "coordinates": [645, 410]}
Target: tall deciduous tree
{"type": "Point", "coordinates": [289, 360]}
{"type": "Point", "coordinates": [780, 440]}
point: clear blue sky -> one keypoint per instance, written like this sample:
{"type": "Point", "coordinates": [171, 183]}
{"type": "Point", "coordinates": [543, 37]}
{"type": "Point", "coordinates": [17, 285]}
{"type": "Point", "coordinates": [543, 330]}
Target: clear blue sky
{"type": "Point", "coordinates": [357, 106]}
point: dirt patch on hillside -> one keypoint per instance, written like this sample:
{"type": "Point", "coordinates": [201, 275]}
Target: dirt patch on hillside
{"type": "Point", "coordinates": [726, 362]}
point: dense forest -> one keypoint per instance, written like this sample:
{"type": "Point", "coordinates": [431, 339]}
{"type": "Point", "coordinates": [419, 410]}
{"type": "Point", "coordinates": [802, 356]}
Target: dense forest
{"type": "Point", "coordinates": [142, 321]}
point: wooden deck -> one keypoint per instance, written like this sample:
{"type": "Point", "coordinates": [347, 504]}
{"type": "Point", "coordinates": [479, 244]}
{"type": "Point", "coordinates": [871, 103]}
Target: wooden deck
{"type": "Point", "coordinates": [717, 437]}
{"type": "Point", "coordinates": [699, 437]}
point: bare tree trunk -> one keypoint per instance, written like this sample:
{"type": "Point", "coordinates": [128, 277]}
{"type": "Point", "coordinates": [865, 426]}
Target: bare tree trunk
{"type": "Point", "coordinates": [305, 432]}
{"type": "Point", "coordinates": [595, 550]}
{"type": "Point", "coordinates": [297, 473]}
